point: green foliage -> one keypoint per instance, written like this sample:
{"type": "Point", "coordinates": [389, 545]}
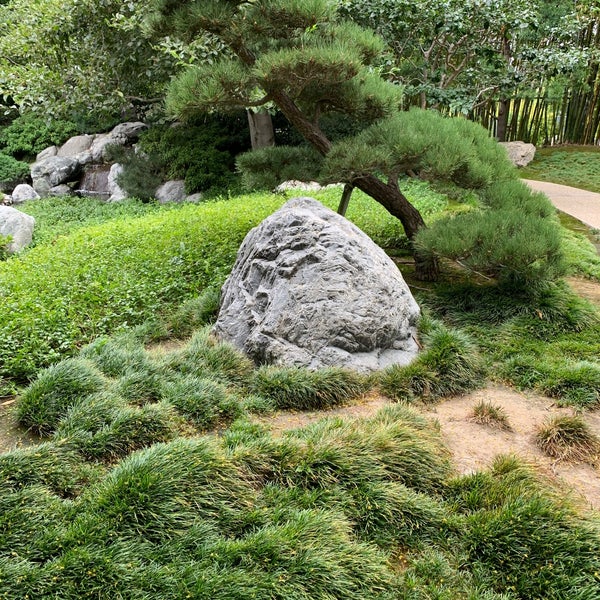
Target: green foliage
{"type": "Point", "coordinates": [116, 275]}
{"type": "Point", "coordinates": [449, 365]}
{"type": "Point", "coordinates": [195, 313]}
{"type": "Point", "coordinates": [142, 173]}
{"type": "Point", "coordinates": [266, 168]}
{"type": "Point", "coordinates": [55, 390]}
{"type": "Point", "coordinates": [204, 402]}
{"type": "Point", "coordinates": [202, 153]}
{"type": "Point", "coordinates": [301, 389]}
{"type": "Point", "coordinates": [12, 172]}
{"type": "Point", "coordinates": [575, 166]}
{"type": "Point", "coordinates": [29, 134]}
{"type": "Point", "coordinates": [57, 467]}
{"type": "Point", "coordinates": [520, 250]}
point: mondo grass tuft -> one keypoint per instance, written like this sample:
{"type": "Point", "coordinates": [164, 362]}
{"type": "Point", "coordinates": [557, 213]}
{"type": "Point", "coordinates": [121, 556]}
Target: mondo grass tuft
{"type": "Point", "coordinates": [106, 427]}
{"type": "Point", "coordinates": [163, 489]}
{"type": "Point", "coordinates": [195, 313]}
{"type": "Point", "coordinates": [204, 356]}
{"type": "Point", "coordinates": [57, 388]}
{"type": "Point", "coordinates": [56, 466]}
{"type": "Point", "coordinates": [492, 415]}
{"type": "Point", "coordinates": [203, 401]}
{"type": "Point", "coordinates": [302, 389]}
{"type": "Point", "coordinates": [568, 438]}
{"type": "Point", "coordinates": [449, 365]}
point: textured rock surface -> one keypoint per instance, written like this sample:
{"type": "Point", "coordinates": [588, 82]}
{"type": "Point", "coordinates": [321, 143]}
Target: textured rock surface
{"type": "Point", "coordinates": [171, 191]}
{"type": "Point", "coordinates": [310, 289]}
{"type": "Point", "coordinates": [52, 172]}
{"type": "Point", "coordinates": [18, 226]}
{"type": "Point", "coordinates": [24, 192]}
{"type": "Point", "coordinates": [520, 153]}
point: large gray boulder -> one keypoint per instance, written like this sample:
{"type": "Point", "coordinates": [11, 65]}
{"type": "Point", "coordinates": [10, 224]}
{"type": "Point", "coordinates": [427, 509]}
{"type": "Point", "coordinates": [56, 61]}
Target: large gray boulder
{"type": "Point", "coordinates": [171, 191]}
{"type": "Point", "coordinates": [519, 153]}
{"type": "Point", "coordinates": [311, 289]}
{"type": "Point", "coordinates": [52, 172]}
{"type": "Point", "coordinates": [117, 193]}
{"type": "Point", "coordinates": [18, 226]}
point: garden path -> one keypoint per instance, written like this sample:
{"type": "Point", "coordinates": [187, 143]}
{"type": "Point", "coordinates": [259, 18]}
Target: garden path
{"type": "Point", "coordinates": [581, 204]}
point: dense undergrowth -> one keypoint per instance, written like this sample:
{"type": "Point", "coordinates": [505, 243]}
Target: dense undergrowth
{"type": "Point", "coordinates": [126, 500]}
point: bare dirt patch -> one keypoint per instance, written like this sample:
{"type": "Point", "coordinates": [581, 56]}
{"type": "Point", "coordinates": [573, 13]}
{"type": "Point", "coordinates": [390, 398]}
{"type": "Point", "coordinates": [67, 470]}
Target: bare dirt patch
{"type": "Point", "coordinates": [473, 446]}
{"type": "Point", "coordinates": [11, 436]}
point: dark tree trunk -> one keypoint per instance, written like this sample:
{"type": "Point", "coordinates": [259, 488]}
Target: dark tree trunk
{"type": "Point", "coordinates": [261, 129]}
{"type": "Point", "coordinates": [502, 124]}
{"type": "Point", "coordinates": [345, 200]}
{"type": "Point", "coordinates": [388, 195]}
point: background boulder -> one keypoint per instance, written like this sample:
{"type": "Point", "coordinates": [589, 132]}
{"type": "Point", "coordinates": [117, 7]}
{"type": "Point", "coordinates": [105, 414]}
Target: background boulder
{"type": "Point", "coordinates": [18, 226]}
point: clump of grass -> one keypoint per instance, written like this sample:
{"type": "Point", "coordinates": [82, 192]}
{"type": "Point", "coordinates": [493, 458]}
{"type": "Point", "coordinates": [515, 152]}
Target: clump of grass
{"type": "Point", "coordinates": [195, 313]}
{"type": "Point", "coordinates": [568, 438]}
{"type": "Point", "coordinates": [167, 487]}
{"type": "Point", "coordinates": [56, 466]}
{"type": "Point", "coordinates": [57, 388]}
{"type": "Point", "coordinates": [449, 365]}
{"type": "Point", "coordinates": [486, 413]}
{"type": "Point", "coordinates": [301, 389]}
{"type": "Point", "coordinates": [204, 401]}
{"type": "Point", "coordinates": [106, 427]}
{"type": "Point", "coordinates": [204, 357]}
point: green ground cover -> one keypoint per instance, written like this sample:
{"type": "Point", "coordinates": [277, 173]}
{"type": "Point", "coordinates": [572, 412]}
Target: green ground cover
{"type": "Point", "coordinates": [154, 479]}
{"type": "Point", "coordinates": [576, 166]}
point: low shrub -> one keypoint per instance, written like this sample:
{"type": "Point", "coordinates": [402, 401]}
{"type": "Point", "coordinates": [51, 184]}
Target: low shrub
{"type": "Point", "coordinates": [266, 168]}
{"type": "Point", "coordinates": [301, 389]}
{"type": "Point", "coordinates": [202, 153]}
{"type": "Point", "coordinates": [569, 439]}
{"type": "Point", "coordinates": [29, 134]}
{"type": "Point", "coordinates": [46, 401]}
{"type": "Point", "coordinates": [12, 172]}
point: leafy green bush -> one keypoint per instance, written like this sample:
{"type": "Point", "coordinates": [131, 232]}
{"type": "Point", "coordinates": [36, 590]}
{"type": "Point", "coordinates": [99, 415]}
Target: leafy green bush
{"type": "Point", "coordinates": [142, 173]}
{"type": "Point", "coordinates": [201, 153]}
{"type": "Point", "coordinates": [12, 172]}
{"type": "Point", "coordinates": [29, 134]}
{"type": "Point", "coordinates": [266, 168]}
{"type": "Point", "coordinates": [195, 313]}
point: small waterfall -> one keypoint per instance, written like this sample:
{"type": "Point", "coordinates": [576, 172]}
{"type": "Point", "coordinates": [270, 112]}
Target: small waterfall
{"type": "Point", "coordinates": [95, 182]}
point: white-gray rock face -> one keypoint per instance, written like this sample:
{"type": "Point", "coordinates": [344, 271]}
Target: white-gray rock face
{"type": "Point", "coordinates": [52, 172]}
{"type": "Point", "coordinates": [519, 153]}
{"type": "Point", "coordinates": [24, 192]}
{"type": "Point", "coordinates": [116, 192]}
{"type": "Point", "coordinates": [310, 289]}
{"type": "Point", "coordinates": [18, 226]}
{"type": "Point", "coordinates": [75, 146]}
{"type": "Point", "coordinates": [47, 153]}
{"type": "Point", "coordinates": [171, 191]}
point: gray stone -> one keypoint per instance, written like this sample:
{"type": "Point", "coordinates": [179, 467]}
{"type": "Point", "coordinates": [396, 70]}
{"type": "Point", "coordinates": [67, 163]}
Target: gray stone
{"type": "Point", "coordinates": [171, 191]}
{"type": "Point", "coordinates": [24, 192]}
{"type": "Point", "coordinates": [76, 145]}
{"type": "Point", "coordinates": [130, 132]}
{"type": "Point", "coordinates": [18, 226]}
{"type": "Point", "coordinates": [519, 153]}
{"type": "Point", "coordinates": [46, 153]}
{"type": "Point", "coordinates": [194, 198]}
{"type": "Point", "coordinates": [53, 171]}
{"type": "Point", "coordinates": [116, 192]}
{"type": "Point", "coordinates": [310, 289]}
{"type": "Point", "coordinates": [298, 186]}
{"type": "Point", "coordinates": [60, 190]}
{"type": "Point", "coordinates": [98, 148]}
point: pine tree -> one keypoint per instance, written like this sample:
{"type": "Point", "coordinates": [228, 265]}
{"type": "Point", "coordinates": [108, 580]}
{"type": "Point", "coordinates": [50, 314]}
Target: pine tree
{"type": "Point", "coordinates": [300, 57]}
